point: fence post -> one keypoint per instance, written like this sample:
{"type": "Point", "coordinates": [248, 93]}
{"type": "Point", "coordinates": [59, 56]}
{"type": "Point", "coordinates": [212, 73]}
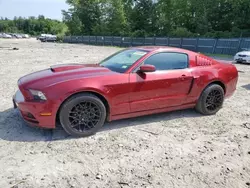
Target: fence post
{"type": "Point", "coordinates": [197, 44]}
{"type": "Point", "coordinates": [112, 41]}
{"type": "Point", "coordinates": [131, 42]}
{"type": "Point", "coordinates": [82, 39]}
{"type": "Point", "coordinates": [168, 41]}
{"type": "Point", "coordinates": [154, 41]}
{"type": "Point", "coordinates": [181, 41]}
{"type": "Point", "coordinates": [89, 40]}
{"type": "Point", "coordinates": [239, 46]}
{"type": "Point", "coordinates": [215, 45]}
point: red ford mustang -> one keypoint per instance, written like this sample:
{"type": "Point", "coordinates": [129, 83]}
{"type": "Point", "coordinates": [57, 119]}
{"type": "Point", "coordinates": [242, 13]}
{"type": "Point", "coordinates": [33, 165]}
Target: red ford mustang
{"type": "Point", "coordinates": [133, 82]}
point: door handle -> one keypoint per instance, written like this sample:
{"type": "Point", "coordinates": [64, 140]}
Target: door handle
{"type": "Point", "coordinates": [183, 77]}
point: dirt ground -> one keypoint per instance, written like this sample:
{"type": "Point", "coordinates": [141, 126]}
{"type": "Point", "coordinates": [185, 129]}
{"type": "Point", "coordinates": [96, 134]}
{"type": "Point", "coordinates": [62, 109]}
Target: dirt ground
{"type": "Point", "coordinates": [177, 149]}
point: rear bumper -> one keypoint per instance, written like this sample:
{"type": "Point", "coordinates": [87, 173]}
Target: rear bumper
{"type": "Point", "coordinates": [231, 85]}
{"type": "Point", "coordinates": [230, 94]}
{"type": "Point", "coordinates": [32, 112]}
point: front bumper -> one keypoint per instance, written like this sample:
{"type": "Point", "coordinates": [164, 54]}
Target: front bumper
{"type": "Point", "coordinates": [242, 59]}
{"type": "Point", "coordinates": [31, 112]}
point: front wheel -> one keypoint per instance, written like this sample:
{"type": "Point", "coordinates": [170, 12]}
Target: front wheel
{"type": "Point", "coordinates": [211, 100]}
{"type": "Point", "coordinates": [82, 115]}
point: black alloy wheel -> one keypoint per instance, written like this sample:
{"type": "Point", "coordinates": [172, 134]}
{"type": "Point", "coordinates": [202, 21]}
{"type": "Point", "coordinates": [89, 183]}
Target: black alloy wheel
{"type": "Point", "coordinates": [82, 115]}
{"type": "Point", "coordinates": [214, 100]}
{"type": "Point", "coordinates": [211, 100]}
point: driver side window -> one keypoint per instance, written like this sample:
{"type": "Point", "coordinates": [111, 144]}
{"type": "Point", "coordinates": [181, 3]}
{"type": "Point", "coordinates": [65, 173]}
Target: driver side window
{"type": "Point", "coordinates": [168, 61]}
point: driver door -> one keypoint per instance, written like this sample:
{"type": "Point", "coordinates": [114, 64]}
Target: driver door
{"type": "Point", "coordinates": [168, 86]}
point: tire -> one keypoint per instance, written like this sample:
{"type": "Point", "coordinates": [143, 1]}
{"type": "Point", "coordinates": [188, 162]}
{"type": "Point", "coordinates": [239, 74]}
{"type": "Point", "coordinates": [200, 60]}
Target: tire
{"type": "Point", "coordinates": [86, 105]}
{"type": "Point", "coordinates": [207, 105]}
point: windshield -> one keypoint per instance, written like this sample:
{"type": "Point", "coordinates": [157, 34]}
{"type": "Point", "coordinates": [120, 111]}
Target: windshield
{"type": "Point", "coordinates": [123, 60]}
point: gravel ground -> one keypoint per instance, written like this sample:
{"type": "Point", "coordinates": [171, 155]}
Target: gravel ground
{"type": "Point", "coordinates": [177, 149]}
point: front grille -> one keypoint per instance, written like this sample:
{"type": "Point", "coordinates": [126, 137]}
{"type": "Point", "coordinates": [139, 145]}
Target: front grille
{"type": "Point", "coordinates": [242, 55]}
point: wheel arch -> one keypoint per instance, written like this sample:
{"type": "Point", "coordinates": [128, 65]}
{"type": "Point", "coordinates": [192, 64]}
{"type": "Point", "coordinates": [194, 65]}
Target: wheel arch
{"type": "Point", "coordinates": [218, 82]}
{"type": "Point", "coordinates": [200, 102]}
{"type": "Point", "coordinates": [100, 96]}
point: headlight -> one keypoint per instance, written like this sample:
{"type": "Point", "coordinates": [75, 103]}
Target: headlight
{"type": "Point", "coordinates": [38, 95]}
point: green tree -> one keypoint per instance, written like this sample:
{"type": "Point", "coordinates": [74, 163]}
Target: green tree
{"type": "Point", "coordinates": [214, 18]}
{"type": "Point", "coordinates": [116, 22]}
{"type": "Point", "coordinates": [32, 26]}
{"type": "Point", "coordinates": [164, 20]}
{"type": "Point", "coordinates": [87, 13]}
{"type": "Point", "coordinates": [142, 18]}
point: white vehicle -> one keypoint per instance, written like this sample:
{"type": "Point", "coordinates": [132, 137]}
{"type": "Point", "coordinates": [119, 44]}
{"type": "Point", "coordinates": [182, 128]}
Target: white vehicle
{"type": "Point", "coordinates": [7, 36]}
{"type": "Point", "coordinates": [26, 36]}
{"type": "Point", "coordinates": [242, 57]}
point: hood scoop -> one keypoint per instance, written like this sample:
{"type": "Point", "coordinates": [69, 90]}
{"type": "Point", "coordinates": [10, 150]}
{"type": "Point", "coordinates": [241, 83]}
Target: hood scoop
{"type": "Point", "coordinates": [65, 67]}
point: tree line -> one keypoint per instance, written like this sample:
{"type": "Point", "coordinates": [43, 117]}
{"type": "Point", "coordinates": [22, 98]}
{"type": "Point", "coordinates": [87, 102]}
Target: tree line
{"type": "Point", "coordinates": [33, 26]}
{"type": "Point", "coordinates": [177, 18]}
{"type": "Point", "coordinates": [139, 18]}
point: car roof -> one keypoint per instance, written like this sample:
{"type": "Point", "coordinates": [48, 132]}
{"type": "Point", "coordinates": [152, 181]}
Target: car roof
{"type": "Point", "coordinates": [162, 48]}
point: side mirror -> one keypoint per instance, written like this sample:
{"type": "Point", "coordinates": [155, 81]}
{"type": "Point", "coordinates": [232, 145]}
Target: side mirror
{"type": "Point", "coordinates": [147, 68]}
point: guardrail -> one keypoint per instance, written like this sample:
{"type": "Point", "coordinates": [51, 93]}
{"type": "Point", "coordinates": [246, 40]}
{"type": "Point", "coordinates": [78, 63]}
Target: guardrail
{"type": "Point", "coordinates": [204, 45]}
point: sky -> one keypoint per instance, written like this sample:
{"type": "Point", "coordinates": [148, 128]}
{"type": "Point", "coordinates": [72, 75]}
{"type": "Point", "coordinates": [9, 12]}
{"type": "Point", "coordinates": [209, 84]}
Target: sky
{"type": "Point", "coordinates": [25, 8]}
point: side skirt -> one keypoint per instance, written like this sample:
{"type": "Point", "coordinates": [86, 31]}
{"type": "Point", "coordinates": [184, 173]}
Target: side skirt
{"type": "Point", "coordinates": [149, 112]}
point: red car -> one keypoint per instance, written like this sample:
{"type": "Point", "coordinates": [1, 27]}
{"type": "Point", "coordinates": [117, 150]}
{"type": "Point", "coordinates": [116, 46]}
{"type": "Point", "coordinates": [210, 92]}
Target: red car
{"type": "Point", "coordinates": [133, 82]}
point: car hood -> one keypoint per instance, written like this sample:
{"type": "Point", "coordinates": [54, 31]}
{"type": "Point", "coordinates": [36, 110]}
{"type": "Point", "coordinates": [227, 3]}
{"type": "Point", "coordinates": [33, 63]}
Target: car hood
{"type": "Point", "coordinates": [62, 73]}
{"type": "Point", "coordinates": [244, 53]}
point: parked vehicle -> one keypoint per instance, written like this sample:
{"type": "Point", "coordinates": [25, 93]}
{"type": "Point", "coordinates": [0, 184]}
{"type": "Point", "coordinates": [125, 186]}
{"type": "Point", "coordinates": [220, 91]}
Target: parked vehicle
{"type": "Point", "coordinates": [14, 35]}
{"type": "Point", "coordinates": [18, 36]}
{"type": "Point", "coordinates": [242, 57]}
{"type": "Point", "coordinates": [133, 82]}
{"type": "Point", "coordinates": [25, 36]}
{"type": "Point", "coordinates": [41, 36]}
{"type": "Point", "coordinates": [7, 36]}
{"type": "Point", "coordinates": [47, 38]}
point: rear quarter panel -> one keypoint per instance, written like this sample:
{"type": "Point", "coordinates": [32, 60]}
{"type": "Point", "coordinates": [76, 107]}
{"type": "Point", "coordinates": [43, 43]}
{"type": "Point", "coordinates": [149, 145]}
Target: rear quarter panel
{"type": "Point", "coordinates": [229, 76]}
{"type": "Point", "coordinates": [218, 72]}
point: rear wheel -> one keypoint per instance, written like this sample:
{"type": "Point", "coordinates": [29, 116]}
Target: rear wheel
{"type": "Point", "coordinates": [82, 115]}
{"type": "Point", "coordinates": [211, 100]}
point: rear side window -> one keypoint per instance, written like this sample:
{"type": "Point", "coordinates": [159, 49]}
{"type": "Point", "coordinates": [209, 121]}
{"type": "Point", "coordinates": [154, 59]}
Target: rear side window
{"type": "Point", "coordinates": [168, 61]}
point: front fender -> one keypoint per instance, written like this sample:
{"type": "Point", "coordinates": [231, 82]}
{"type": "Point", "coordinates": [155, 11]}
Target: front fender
{"type": "Point", "coordinates": [59, 93]}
